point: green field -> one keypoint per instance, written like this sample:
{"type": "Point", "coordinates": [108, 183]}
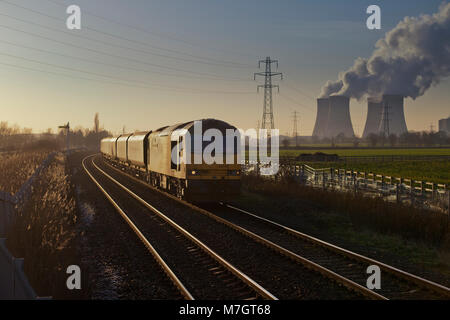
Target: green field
{"type": "Point", "coordinates": [371, 152]}
{"type": "Point", "coordinates": [431, 171]}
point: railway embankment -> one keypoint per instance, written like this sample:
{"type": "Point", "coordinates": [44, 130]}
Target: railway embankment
{"type": "Point", "coordinates": [42, 228]}
{"type": "Point", "coordinates": [414, 240]}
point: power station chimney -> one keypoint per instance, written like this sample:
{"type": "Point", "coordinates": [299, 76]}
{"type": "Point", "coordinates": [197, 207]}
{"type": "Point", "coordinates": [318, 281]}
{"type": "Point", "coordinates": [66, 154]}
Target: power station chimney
{"type": "Point", "coordinates": [322, 117]}
{"type": "Point", "coordinates": [374, 112]}
{"type": "Point", "coordinates": [339, 120]}
{"type": "Point", "coordinates": [392, 116]}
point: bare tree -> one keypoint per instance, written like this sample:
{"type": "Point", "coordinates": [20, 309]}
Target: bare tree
{"type": "Point", "coordinates": [393, 139]}
{"type": "Point", "coordinates": [4, 129]}
{"type": "Point", "coordinates": [96, 123]}
{"type": "Point", "coordinates": [373, 139]}
{"type": "Point", "coordinates": [15, 129]}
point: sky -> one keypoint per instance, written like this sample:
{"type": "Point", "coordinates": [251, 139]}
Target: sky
{"type": "Point", "coordinates": [144, 64]}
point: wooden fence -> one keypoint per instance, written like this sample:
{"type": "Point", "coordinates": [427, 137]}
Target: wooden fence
{"type": "Point", "coordinates": [418, 193]}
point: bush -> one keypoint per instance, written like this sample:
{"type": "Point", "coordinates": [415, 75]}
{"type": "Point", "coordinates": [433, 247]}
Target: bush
{"type": "Point", "coordinates": [17, 167]}
{"type": "Point", "coordinates": [43, 232]}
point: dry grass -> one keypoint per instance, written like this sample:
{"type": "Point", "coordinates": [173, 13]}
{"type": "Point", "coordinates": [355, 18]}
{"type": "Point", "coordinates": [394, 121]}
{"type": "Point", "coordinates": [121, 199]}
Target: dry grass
{"type": "Point", "coordinates": [17, 167]}
{"type": "Point", "coordinates": [373, 213]}
{"type": "Point", "coordinates": [43, 232]}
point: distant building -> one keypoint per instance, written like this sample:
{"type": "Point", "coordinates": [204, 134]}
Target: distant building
{"type": "Point", "coordinates": [444, 125]}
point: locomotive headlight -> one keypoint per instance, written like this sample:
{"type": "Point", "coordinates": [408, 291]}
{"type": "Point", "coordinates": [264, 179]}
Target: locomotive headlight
{"type": "Point", "coordinates": [193, 172]}
{"type": "Point", "coordinates": [234, 172]}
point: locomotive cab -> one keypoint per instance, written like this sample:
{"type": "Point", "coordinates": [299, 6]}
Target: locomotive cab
{"type": "Point", "coordinates": [193, 165]}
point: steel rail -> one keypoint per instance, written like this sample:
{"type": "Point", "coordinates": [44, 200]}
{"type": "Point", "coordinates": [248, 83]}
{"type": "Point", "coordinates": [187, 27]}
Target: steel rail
{"type": "Point", "coordinates": [239, 274]}
{"type": "Point", "coordinates": [167, 270]}
{"type": "Point", "coordinates": [285, 252]}
{"type": "Point", "coordinates": [430, 285]}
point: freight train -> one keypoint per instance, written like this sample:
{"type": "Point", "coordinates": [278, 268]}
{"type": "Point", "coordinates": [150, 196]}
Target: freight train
{"type": "Point", "coordinates": [168, 158]}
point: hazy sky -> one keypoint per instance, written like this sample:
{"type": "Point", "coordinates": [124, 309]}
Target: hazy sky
{"type": "Point", "coordinates": [172, 61]}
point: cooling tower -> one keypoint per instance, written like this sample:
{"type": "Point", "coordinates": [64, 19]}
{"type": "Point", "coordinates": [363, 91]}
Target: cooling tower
{"type": "Point", "coordinates": [393, 116]}
{"type": "Point", "coordinates": [374, 112]}
{"type": "Point", "coordinates": [339, 117]}
{"type": "Point", "coordinates": [444, 125]}
{"type": "Point", "coordinates": [322, 117]}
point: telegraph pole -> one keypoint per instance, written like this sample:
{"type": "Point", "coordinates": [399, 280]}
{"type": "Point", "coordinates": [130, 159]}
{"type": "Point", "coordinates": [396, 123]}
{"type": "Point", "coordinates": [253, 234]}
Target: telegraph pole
{"type": "Point", "coordinates": [295, 119]}
{"type": "Point", "coordinates": [267, 118]}
{"type": "Point", "coordinates": [67, 128]}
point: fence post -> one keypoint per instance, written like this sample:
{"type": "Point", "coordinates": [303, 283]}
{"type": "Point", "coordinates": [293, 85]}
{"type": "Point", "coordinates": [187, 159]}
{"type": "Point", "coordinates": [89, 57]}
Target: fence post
{"type": "Point", "coordinates": [448, 201]}
{"type": "Point", "coordinates": [302, 173]}
{"type": "Point", "coordinates": [422, 188]}
{"type": "Point", "coordinates": [365, 179]}
{"type": "Point", "coordinates": [397, 192]}
{"type": "Point", "coordinates": [331, 177]}
{"type": "Point", "coordinates": [448, 198]}
{"type": "Point", "coordinates": [433, 191]}
{"type": "Point", "coordinates": [339, 177]}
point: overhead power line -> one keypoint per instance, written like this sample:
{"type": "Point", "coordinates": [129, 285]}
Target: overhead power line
{"type": "Point", "coordinates": [108, 43]}
{"type": "Point", "coordinates": [114, 65]}
{"type": "Point", "coordinates": [111, 55]}
{"type": "Point", "coordinates": [152, 33]}
{"type": "Point", "coordinates": [300, 91]}
{"type": "Point", "coordinates": [203, 60]}
{"type": "Point", "coordinates": [67, 76]}
{"type": "Point", "coordinates": [127, 82]}
{"type": "Point", "coordinates": [296, 102]}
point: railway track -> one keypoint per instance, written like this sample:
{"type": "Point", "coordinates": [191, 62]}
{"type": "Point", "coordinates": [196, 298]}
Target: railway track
{"type": "Point", "coordinates": [340, 265]}
{"type": "Point", "coordinates": [395, 283]}
{"type": "Point", "coordinates": [206, 274]}
{"type": "Point", "coordinates": [289, 273]}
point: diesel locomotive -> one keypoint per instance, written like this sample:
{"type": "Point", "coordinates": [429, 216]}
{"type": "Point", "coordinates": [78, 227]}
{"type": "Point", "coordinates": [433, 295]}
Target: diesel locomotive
{"type": "Point", "coordinates": [172, 158]}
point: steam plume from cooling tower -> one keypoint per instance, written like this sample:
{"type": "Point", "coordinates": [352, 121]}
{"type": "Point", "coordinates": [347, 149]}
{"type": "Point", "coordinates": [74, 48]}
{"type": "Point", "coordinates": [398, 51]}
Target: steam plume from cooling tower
{"type": "Point", "coordinates": [407, 61]}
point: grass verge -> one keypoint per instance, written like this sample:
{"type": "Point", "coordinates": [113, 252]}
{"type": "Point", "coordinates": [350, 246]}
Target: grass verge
{"type": "Point", "coordinates": [430, 171]}
{"type": "Point", "coordinates": [409, 238]}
